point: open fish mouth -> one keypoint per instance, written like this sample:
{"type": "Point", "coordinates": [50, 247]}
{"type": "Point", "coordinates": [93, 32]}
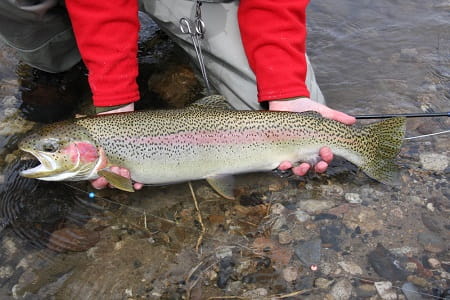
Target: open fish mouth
{"type": "Point", "coordinates": [46, 167]}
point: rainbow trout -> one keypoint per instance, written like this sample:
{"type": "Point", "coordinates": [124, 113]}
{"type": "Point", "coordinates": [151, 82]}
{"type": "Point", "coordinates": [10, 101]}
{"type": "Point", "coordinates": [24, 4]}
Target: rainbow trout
{"type": "Point", "coordinates": [206, 140]}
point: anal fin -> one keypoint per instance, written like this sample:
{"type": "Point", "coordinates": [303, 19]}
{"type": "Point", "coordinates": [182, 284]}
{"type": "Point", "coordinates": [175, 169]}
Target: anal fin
{"type": "Point", "coordinates": [223, 185]}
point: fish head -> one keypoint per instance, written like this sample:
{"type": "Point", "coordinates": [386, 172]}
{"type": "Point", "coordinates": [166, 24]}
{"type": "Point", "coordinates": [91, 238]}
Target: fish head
{"type": "Point", "coordinates": [65, 152]}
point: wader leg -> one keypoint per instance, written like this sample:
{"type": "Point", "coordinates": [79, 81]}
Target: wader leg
{"type": "Point", "coordinates": [225, 59]}
{"type": "Point", "coordinates": [41, 34]}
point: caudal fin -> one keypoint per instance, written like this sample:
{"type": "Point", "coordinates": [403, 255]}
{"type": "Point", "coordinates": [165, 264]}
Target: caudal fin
{"type": "Point", "coordinates": [386, 138]}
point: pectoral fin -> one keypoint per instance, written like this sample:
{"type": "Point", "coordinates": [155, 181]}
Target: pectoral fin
{"type": "Point", "coordinates": [117, 181]}
{"type": "Point", "coordinates": [223, 185]}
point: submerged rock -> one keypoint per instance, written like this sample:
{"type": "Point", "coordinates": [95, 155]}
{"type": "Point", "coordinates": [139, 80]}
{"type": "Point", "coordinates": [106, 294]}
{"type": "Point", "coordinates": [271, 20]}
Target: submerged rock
{"type": "Point", "coordinates": [309, 252]}
{"type": "Point", "coordinates": [384, 264]}
{"type": "Point", "coordinates": [432, 242]}
{"type": "Point", "coordinates": [342, 290]}
{"type": "Point", "coordinates": [411, 291]}
{"type": "Point", "coordinates": [433, 161]}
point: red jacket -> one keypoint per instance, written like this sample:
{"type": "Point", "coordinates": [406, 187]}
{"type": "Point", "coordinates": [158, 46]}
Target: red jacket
{"type": "Point", "coordinates": [273, 34]}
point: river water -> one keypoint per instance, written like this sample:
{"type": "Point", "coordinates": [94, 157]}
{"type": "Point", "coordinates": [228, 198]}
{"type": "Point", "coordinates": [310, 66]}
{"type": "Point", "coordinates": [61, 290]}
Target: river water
{"type": "Point", "coordinates": [369, 57]}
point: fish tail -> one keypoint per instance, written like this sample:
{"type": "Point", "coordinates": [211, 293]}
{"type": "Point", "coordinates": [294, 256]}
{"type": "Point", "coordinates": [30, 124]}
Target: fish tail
{"type": "Point", "coordinates": [385, 139]}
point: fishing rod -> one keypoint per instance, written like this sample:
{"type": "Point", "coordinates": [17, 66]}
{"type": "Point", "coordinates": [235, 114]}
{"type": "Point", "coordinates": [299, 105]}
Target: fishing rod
{"type": "Point", "coordinates": [409, 115]}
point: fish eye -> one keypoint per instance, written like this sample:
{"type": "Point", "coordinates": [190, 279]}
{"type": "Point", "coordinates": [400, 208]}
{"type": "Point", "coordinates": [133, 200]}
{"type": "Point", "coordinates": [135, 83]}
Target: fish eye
{"type": "Point", "coordinates": [50, 146]}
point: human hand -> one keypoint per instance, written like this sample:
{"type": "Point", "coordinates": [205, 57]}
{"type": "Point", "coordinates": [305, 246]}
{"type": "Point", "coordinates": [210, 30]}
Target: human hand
{"type": "Point", "coordinates": [302, 105]}
{"type": "Point", "coordinates": [101, 182]}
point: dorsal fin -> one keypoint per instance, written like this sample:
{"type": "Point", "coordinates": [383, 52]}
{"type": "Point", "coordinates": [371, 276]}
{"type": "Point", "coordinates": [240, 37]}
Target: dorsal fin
{"type": "Point", "coordinates": [211, 102]}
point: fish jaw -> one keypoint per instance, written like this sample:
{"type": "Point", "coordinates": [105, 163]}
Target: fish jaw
{"type": "Point", "coordinates": [76, 161]}
{"type": "Point", "coordinates": [47, 170]}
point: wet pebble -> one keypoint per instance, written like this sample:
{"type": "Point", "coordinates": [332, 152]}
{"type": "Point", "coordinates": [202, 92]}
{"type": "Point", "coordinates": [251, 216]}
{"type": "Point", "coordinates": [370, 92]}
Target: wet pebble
{"type": "Point", "coordinates": [342, 289]}
{"type": "Point", "coordinates": [350, 267]}
{"type": "Point", "coordinates": [333, 191]}
{"type": "Point", "coordinates": [277, 209]}
{"type": "Point", "coordinates": [434, 263]}
{"type": "Point", "coordinates": [385, 291]}
{"type": "Point", "coordinates": [309, 252]}
{"type": "Point", "coordinates": [411, 292]}
{"type": "Point", "coordinates": [365, 291]}
{"type": "Point", "coordinates": [284, 237]}
{"type": "Point", "coordinates": [302, 216]}
{"type": "Point", "coordinates": [226, 266]}
{"type": "Point", "coordinates": [330, 236]}
{"type": "Point", "coordinates": [431, 223]}
{"type": "Point", "coordinates": [290, 273]}
{"type": "Point", "coordinates": [353, 198]}
{"type": "Point", "coordinates": [432, 242]}
{"type": "Point", "coordinates": [433, 161]}
{"type": "Point", "coordinates": [315, 206]}
{"type": "Point", "coordinates": [256, 293]}
{"type": "Point", "coordinates": [323, 283]}
{"type": "Point", "coordinates": [418, 281]}
{"type": "Point", "coordinates": [6, 272]}
{"type": "Point", "coordinates": [224, 252]}
{"type": "Point", "coordinates": [383, 262]}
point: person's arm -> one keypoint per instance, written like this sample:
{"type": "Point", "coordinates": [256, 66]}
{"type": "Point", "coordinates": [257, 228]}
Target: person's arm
{"type": "Point", "coordinates": [107, 34]}
{"type": "Point", "coordinates": [274, 37]}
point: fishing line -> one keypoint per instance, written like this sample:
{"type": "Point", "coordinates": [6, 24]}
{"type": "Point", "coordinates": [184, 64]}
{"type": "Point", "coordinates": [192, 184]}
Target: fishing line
{"type": "Point", "coordinates": [92, 195]}
{"type": "Point", "coordinates": [426, 135]}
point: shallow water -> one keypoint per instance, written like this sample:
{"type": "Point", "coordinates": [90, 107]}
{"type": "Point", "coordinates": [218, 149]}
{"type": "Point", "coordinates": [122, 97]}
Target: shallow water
{"type": "Point", "coordinates": [369, 57]}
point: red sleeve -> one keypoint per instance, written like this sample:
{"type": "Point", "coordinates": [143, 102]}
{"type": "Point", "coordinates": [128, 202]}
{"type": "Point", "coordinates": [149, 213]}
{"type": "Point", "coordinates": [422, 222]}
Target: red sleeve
{"type": "Point", "coordinates": [106, 34]}
{"type": "Point", "coordinates": [274, 37]}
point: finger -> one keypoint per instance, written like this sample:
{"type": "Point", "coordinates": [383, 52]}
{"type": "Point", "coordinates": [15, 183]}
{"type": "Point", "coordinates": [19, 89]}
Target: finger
{"type": "Point", "coordinates": [115, 169]}
{"type": "Point", "coordinates": [99, 183]}
{"type": "Point", "coordinates": [138, 186]}
{"type": "Point", "coordinates": [301, 169]}
{"type": "Point", "coordinates": [326, 154]}
{"type": "Point", "coordinates": [285, 165]}
{"type": "Point", "coordinates": [124, 172]}
{"type": "Point", "coordinates": [337, 116]}
{"type": "Point", "coordinates": [321, 167]}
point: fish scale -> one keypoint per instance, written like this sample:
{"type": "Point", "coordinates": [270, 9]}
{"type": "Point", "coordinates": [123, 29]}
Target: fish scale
{"type": "Point", "coordinates": [208, 140]}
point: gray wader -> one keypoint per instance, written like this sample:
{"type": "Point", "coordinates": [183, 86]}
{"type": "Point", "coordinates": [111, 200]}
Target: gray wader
{"type": "Point", "coordinates": [44, 39]}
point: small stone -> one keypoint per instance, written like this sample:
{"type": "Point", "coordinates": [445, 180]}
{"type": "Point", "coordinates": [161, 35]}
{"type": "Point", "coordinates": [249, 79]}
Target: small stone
{"type": "Point", "coordinates": [417, 200]}
{"type": "Point", "coordinates": [309, 252]}
{"type": "Point", "coordinates": [411, 291]}
{"type": "Point", "coordinates": [432, 242]}
{"type": "Point", "coordinates": [290, 274]}
{"type": "Point", "coordinates": [350, 267]}
{"type": "Point", "coordinates": [430, 206]}
{"type": "Point", "coordinates": [6, 272]}
{"type": "Point", "coordinates": [315, 206]}
{"type": "Point", "coordinates": [323, 283]}
{"type": "Point", "coordinates": [342, 289]}
{"type": "Point", "coordinates": [277, 209]}
{"type": "Point", "coordinates": [279, 224]}
{"type": "Point", "coordinates": [284, 237]}
{"type": "Point", "coordinates": [411, 267]}
{"type": "Point", "coordinates": [384, 289]}
{"type": "Point", "coordinates": [225, 251]}
{"type": "Point", "coordinates": [353, 198]}
{"type": "Point", "coordinates": [419, 281]}
{"type": "Point", "coordinates": [256, 293]}
{"type": "Point", "coordinates": [434, 263]}
{"type": "Point", "coordinates": [433, 161]}
{"type": "Point", "coordinates": [383, 262]}
{"type": "Point", "coordinates": [366, 291]}
{"type": "Point", "coordinates": [10, 246]}
{"type": "Point", "coordinates": [332, 191]}
{"type": "Point", "coordinates": [302, 216]}
{"type": "Point", "coordinates": [406, 250]}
